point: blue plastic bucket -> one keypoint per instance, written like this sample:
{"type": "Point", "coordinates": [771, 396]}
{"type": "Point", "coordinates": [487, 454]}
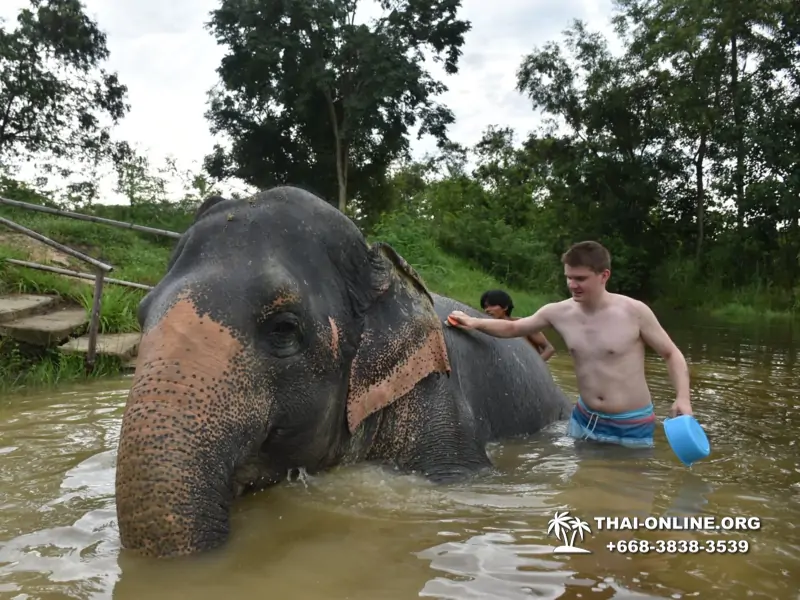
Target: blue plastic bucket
{"type": "Point", "coordinates": [687, 439]}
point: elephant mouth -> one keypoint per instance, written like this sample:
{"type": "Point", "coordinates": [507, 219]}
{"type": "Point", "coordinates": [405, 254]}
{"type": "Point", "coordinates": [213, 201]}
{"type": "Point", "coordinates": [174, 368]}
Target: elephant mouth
{"type": "Point", "coordinates": [256, 472]}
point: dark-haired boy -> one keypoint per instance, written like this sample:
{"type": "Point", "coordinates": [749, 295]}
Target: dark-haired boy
{"type": "Point", "coordinates": [499, 305]}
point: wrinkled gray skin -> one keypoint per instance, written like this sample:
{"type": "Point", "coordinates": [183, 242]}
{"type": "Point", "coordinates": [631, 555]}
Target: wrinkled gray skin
{"type": "Point", "coordinates": [279, 339]}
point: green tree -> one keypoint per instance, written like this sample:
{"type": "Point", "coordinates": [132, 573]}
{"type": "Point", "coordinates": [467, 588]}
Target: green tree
{"type": "Point", "coordinates": [138, 181]}
{"type": "Point", "coordinates": [54, 93]}
{"type": "Point", "coordinates": [606, 174]}
{"type": "Point", "coordinates": [309, 96]}
{"type": "Point", "coordinates": [725, 68]}
{"type": "Point", "coordinates": [675, 42]}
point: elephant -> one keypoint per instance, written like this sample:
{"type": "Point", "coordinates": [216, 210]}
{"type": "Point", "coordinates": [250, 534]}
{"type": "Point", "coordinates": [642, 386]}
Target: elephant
{"type": "Point", "coordinates": [280, 339]}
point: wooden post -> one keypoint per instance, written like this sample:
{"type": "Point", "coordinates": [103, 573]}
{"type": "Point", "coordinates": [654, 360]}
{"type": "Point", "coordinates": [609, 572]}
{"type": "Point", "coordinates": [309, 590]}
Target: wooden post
{"type": "Point", "coordinates": [94, 322]}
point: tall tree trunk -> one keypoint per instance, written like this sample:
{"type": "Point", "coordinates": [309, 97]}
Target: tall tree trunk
{"type": "Point", "coordinates": [341, 153]}
{"type": "Point", "coordinates": [344, 152]}
{"type": "Point", "coordinates": [701, 200]}
{"type": "Point", "coordinates": [738, 122]}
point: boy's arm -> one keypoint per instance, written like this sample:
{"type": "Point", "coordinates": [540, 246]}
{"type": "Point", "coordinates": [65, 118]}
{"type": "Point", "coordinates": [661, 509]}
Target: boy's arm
{"type": "Point", "coordinates": [540, 342]}
{"type": "Point", "coordinates": [502, 328]}
{"type": "Point", "coordinates": [543, 345]}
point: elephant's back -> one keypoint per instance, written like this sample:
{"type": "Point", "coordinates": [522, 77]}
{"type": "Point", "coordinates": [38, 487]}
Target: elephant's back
{"type": "Point", "coordinates": [444, 306]}
{"type": "Point", "coordinates": [506, 382]}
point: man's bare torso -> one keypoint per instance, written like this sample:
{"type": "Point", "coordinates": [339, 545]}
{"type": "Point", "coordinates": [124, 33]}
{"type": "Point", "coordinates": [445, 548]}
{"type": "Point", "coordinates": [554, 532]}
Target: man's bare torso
{"type": "Point", "coordinates": [608, 352]}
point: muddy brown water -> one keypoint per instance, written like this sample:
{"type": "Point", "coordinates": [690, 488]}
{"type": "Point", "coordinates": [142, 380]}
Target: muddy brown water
{"type": "Point", "coordinates": [361, 533]}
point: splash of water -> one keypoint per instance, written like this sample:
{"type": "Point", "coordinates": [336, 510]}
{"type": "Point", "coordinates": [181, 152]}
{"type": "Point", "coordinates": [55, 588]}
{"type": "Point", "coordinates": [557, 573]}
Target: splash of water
{"type": "Point", "coordinates": [302, 476]}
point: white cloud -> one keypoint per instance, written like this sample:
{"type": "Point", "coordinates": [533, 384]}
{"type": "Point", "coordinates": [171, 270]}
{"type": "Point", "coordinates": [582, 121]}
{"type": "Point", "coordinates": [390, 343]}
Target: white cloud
{"type": "Point", "coordinates": [167, 58]}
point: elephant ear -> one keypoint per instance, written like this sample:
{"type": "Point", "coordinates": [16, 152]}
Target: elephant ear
{"type": "Point", "coordinates": [402, 341]}
{"type": "Point", "coordinates": [201, 211]}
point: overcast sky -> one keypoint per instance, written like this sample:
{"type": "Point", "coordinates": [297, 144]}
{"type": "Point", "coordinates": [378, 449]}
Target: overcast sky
{"type": "Point", "coordinates": [166, 57]}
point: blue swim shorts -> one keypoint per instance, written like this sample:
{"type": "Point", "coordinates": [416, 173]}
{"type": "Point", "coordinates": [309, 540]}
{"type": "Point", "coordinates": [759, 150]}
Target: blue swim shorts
{"type": "Point", "coordinates": [633, 429]}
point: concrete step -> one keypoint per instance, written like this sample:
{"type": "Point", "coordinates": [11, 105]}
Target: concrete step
{"type": "Point", "coordinates": [122, 345]}
{"type": "Point", "coordinates": [49, 329]}
{"type": "Point", "coordinates": [19, 306]}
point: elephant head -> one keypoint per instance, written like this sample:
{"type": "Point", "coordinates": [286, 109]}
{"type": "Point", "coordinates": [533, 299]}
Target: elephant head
{"type": "Point", "coordinates": [274, 336]}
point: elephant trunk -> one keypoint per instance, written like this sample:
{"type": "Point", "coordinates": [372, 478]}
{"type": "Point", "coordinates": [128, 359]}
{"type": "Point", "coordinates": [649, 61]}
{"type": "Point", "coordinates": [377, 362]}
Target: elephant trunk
{"type": "Point", "coordinates": [184, 430]}
{"type": "Point", "coordinates": [172, 487]}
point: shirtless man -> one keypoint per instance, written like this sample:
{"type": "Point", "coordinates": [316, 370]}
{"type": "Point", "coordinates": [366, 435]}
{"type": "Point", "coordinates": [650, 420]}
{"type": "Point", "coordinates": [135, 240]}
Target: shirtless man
{"type": "Point", "coordinates": [498, 304]}
{"type": "Point", "coordinates": [606, 335]}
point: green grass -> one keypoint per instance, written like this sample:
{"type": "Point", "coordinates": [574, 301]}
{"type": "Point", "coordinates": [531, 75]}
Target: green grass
{"type": "Point", "coordinates": [740, 306]}
{"type": "Point", "coordinates": [133, 256]}
{"type": "Point", "coordinates": [117, 305]}
{"type": "Point", "coordinates": [736, 312]}
{"type": "Point", "coordinates": [20, 369]}
{"type": "Point", "coordinates": [685, 287]}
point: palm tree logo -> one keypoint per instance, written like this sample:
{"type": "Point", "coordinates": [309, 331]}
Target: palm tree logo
{"type": "Point", "coordinates": [561, 525]}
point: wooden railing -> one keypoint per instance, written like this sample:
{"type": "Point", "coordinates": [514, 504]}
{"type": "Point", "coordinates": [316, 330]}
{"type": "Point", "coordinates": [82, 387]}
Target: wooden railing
{"type": "Point", "coordinates": [100, 268]}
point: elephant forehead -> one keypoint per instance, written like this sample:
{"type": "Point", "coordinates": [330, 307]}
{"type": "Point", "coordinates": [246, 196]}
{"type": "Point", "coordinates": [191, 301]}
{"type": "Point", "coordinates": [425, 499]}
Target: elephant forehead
{"type": "Point", "coordinates": [242, 294]}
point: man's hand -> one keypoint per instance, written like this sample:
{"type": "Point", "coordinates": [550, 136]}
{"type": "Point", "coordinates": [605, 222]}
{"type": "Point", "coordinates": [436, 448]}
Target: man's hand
{"type": "Point", "coordinates": [681, 406]}
{"type": "Point", "coordinates": [461, 319]}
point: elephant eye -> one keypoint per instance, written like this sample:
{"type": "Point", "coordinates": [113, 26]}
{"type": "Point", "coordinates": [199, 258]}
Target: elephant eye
{"type": "Point", "coordinates": [284, 334]}
{"type": "Point", "coordinates": [284, 327]}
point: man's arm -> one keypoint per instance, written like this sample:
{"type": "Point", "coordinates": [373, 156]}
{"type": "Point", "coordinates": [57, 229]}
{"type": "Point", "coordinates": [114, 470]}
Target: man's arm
{"type": "Point", "coordinates": [654, 336]}
{"type": "Point", "coordinates": [501, 328]}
